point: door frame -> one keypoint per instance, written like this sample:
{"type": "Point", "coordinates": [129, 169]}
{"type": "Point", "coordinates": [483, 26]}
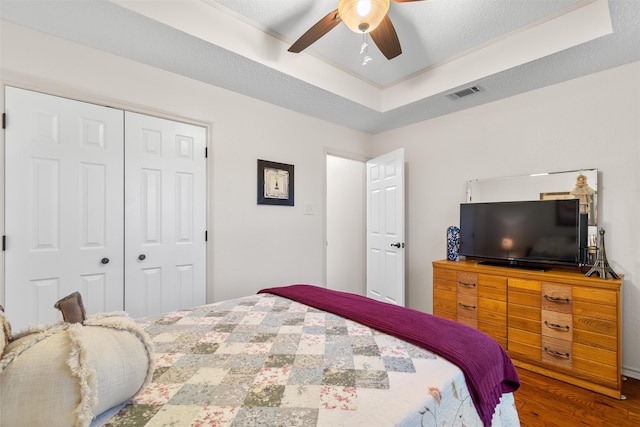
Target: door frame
{"type": "Point", "coordinates": [350, 156]}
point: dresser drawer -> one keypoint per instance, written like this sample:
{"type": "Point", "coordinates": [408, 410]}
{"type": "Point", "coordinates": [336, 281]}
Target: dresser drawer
{"type": "Point", "coordinates": [594, 355]}
{"type": "Point", "coordinates": [497, 331]}
{"type": "Point", "coordinates": [524, 299]}
{"type": "Point", "coordinates": [596, 311]}
{"type": "Point", "coordinates": [490, 310]}
{"type": "Point", "coordinates": [557, 298]}
{"type": "Point", "coordinates": [492, 287]}
{"type": "Point", "coordinates": [529, 325]}
{"type": "Point", "coordinates": [467, 290]}
{"type": "Point", "coordinates": [467, 283]}
{"type": "Point", "coordinates": [557, 352]}
{"type": "Point", "coordinates": [595, 340]}
{"type": "Point", "coordinates": [524, 285]}
{"type": "Point", "coordinates": [445, 314]}
{"type": "Point", "coordinates": [557, 325]}
{"type": "Point", "coordinates": [597, 296]}
{"type": "Point", "coordinates": [523, 344]}
{"type": "Point", "coordinates": [524, 311]}
{"type": "Point", "coordinates": [445, 301]}
{"type": "Point", "coordinates": [597, 365]}
{"type": "Point", "coordinates": [467, 306]}
{"type": "Point", "coordinates": [470, 321]}
{"type": "Point", "coordinates": [444, 285]}
{"type": "Point", "coordinates": [597, 326]}
{"type": "Point", "coordinates": [444, 274]}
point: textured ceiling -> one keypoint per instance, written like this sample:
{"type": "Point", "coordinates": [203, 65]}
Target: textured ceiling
{"type": "Point", "coordinates": [430, 32]}
{"type": "Point", "coordinates": [504, 46]}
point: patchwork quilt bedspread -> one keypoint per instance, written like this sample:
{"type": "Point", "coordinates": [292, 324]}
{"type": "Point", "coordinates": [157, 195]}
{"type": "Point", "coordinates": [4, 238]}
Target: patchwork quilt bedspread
{"type": "Point", "coordinates": [264, 360]}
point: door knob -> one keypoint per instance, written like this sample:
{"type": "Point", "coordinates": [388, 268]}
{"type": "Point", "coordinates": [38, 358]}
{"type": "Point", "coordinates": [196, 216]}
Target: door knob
{"type": "Point", "coordinates": [105, 260]}
{"type": "Point", "coordinates": [398, 245]}
{"type": "Point", "coordinates": [142, 257]}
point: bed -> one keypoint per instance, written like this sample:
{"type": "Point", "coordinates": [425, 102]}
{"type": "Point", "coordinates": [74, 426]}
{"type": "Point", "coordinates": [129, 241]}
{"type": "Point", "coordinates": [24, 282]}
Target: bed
{"type": "Point", "coordinates": [303, 355]}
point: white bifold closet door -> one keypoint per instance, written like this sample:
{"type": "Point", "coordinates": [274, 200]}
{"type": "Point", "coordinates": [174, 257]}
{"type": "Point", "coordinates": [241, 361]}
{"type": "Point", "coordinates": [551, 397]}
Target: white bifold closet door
{"type": "Point", "coordinates": [76, 220]}
{"type": "Point", "coordinates": [165, 224]}
{"type": "Point", "coordinates": [63, 206]}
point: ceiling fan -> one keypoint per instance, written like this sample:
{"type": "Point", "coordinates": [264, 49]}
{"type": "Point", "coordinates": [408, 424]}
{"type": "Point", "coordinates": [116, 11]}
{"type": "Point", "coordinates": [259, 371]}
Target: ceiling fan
{"type": "Point", "coordinates": [361, 16]}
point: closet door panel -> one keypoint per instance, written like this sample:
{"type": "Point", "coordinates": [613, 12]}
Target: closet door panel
{"type": "Point", "coordinates": [64, 204]}
{"type": "Point", "coordinates": [165, 215]}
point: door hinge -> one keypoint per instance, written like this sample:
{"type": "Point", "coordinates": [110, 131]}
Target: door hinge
{"type": "Point", "coordinates": [206, 236]}
{"type": "Point", "coordinates": [4, 120]}
{"type": "Point", "coordinates": [4, 243]}
{"type": "Point", "coordinates": [206, 152]}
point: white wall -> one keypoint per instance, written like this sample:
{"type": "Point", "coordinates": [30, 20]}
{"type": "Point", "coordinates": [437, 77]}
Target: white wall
{"type": "Point", "coordinates": [592, 122]}
{"type": "Point", "coordinates": [250, 246]}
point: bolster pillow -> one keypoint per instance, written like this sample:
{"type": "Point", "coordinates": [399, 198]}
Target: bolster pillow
{"type": "Point", "coordinates": [66, 374]}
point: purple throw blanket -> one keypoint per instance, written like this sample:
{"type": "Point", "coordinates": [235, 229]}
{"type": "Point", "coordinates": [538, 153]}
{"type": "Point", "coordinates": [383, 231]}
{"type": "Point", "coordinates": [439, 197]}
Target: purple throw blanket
{"type": "Point", "coordinates": [487, 368]}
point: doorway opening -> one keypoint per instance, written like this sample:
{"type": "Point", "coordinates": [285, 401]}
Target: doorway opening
{"type": "Point", "coordinates": [345, 224]}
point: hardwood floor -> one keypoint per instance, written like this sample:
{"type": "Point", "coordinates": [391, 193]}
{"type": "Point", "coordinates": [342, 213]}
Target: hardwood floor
{"type": "Point", "coordinates": [543, 401]}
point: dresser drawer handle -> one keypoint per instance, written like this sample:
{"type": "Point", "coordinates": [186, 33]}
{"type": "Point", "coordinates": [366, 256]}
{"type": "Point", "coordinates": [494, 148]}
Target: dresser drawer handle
{"type": "Point", "coordinates": [557, 299]}
{"type": "Point", "coordinates": [557, 354]}
{"type": "Point", "coordinates": [468, 285]}
{"type": "Point", "coordinates": [556, 326]}
{"type": "Point", "coordinates": [466, 306]}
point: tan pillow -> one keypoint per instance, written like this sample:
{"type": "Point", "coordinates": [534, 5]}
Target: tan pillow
{"type": "Point", "coordinates": [66, 374]}
{"type": "Point", "coordinates": [5, 331]}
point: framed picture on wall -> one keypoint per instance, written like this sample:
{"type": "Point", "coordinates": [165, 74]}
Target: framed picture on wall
{"type": "Point", "coordinates": [275, 183]}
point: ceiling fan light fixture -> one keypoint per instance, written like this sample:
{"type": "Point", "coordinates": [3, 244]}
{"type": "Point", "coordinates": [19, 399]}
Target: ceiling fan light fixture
{"type": "Point", "coordinates": [362, 16]}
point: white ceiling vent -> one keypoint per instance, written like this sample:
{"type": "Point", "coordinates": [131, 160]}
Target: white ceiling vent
{"type": "Point", "coordinates": [464, 92]}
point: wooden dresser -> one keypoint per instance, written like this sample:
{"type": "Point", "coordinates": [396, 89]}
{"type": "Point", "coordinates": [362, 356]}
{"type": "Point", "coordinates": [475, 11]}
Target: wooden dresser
{"type": "Point", "coordinates": [557, 323]}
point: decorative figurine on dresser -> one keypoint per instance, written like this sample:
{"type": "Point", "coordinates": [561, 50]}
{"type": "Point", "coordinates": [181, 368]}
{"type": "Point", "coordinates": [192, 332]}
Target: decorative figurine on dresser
{"type": "Point", "coordinates": [586, 195]}
{"type": "Point", "coordinates": [601, 266]}
{"type": "Point", "coordinates": [453, 243]}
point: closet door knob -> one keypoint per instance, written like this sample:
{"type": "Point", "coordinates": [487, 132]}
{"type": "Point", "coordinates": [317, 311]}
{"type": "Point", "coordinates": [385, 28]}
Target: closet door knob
{"type": "Point", "coordinates": [142, 257]}
{"type": "Point", "coordinates": [105, 260]}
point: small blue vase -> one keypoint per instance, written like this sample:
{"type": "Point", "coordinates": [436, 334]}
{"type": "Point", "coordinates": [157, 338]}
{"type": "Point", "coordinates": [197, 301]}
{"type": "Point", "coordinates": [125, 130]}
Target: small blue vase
{"type": "Point", "coordinates": [453, 243]}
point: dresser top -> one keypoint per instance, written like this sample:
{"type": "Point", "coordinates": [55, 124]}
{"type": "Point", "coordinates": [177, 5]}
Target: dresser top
{"type": "Point", "coordinates": [559, 274]}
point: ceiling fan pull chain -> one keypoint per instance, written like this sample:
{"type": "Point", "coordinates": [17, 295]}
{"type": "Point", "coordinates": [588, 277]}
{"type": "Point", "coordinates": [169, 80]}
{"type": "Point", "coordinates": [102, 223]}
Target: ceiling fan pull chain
{"type": "Point", "coordinates": [364, 45]}
{"type": "Point", "coordinates": [363, 50]}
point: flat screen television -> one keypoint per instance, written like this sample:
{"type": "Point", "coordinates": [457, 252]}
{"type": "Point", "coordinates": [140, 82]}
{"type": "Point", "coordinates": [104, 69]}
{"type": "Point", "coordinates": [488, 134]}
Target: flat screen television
{"type": "Point", "coordinates": [524, 234]}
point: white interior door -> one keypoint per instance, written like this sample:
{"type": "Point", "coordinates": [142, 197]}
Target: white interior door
{"type": "Point", "coordinates": [64, 203]}
{"type": "Point", "coordinates": [165, 215]}
{"type": "Point", "coordinates": [385, 228]}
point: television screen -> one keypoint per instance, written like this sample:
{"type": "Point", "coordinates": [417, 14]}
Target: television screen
{"type": "Point", "coordinates": [541, 231]}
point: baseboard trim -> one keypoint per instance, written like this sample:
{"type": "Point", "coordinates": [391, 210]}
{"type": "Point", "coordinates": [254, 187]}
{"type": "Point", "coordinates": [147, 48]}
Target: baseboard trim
{"type": "Point", "coordinates": [629, 372]}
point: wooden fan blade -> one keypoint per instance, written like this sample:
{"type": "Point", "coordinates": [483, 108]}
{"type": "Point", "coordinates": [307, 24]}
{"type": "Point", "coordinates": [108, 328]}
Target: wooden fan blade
{"type": "Point", "coordinates": [321, 28]}
{"type": "Point", "coordinates": [386, 38]}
